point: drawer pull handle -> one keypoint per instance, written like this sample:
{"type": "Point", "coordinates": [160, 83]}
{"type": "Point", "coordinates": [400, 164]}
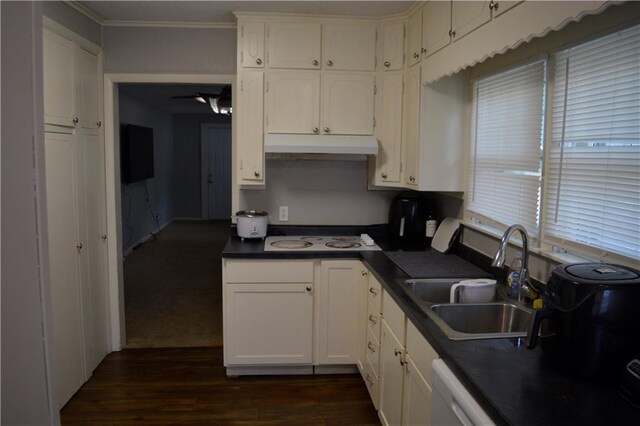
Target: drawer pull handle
{"type": "Point", "coordinates": [372, 291]}
{"type": "Point", "coordinates": [397, 352]}
{"type": "Point", "coordinates": [371, 347]}
{"type": "Point", "coordinates": [372, 320]}
{"type": "Point", "coordinates": [369, 380]}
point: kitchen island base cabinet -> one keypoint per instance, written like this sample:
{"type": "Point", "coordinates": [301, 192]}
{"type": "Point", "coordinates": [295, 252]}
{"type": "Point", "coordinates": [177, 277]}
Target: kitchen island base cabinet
{"type": "Point", "coordinates": [268, 313]}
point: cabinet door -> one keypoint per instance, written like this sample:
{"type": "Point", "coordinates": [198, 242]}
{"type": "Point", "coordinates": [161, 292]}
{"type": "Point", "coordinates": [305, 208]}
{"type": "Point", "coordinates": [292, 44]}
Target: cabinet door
{"type": "Point", "coordinates": [362, 319]}
{"type": "Point", "coordinates": [436, 24]}
{"type": "Point", "coordinates": [349, 47]}
{"type": "Point", "coordinates": [411, 125]}
{"type": "Point", "coordinates": [252, 44]}
{"type": "Point", "coordinates": [269, 323]}
{"type": "Point", "coordinates": [293, 99]}
{"type": "Point", "coordinates": [413, 40]}
{"type": "Point", "coordinates": [392, 42]}
{"type": "Point", "coordinates": [59, 79]}
{"type": "Point", "coordinates": [337, 319]}
{"type": "Point", "coordinates": [501, 7]}
{"type": "Point", "coordinates": [416, 398]}
{"type": "Point", "coordinates": [64, 265]}
{"type": "Point", "coordinates": [250, 128]}
{"type": "Point", "coordinates": [389, 157]}
{"type": "Point", "coordinates": [347, 106]}
{"type": "Point", "coordinates": [294, 45]}
{"type": "Point", "coordinates": [391, 377]}
{"type": "Point", "coordinates": [87, 90]}
{"type": "Point", "coordinates": [466, 16]}
{"type": "Point", "coordinates": [93, 226]}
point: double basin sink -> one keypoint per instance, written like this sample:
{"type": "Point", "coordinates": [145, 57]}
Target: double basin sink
{"type": "Point", "coordinates": [467, 321]}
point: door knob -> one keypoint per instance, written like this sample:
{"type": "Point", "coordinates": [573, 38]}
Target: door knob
{"type": "Point", "coordinates": [259, 61]}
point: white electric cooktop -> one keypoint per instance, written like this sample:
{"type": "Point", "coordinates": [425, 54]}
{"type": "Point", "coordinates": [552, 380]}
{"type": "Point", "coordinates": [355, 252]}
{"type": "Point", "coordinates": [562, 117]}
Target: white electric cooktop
{"type": "Point", "coordinates": [324, 243]}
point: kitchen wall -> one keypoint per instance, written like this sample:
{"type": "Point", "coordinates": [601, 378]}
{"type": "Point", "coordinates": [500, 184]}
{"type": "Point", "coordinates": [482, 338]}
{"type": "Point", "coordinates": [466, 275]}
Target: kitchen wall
{"type": "Point", "coordinates": [187, 175]}
{"type": "Point", "coordinates": [75, 21]}
{"type": "Point", "coordinates": [137, 220]}
{"type": "Point", "coordinates": [170, 50]}
{"type": "Point", "coordinates": [319, 193]}
{"type": "Point", "coordinates": [26, 386]}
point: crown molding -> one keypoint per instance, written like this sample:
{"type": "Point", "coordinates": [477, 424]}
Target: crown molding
{"type": "Point", "coordinates": [170, 24]}
{"type": "Point", "coordinates": [86, 12]}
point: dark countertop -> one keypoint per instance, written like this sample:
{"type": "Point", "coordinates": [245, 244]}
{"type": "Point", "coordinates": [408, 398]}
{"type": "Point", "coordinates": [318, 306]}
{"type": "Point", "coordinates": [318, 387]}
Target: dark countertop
{"type": "Point", "coordinates": [513, 384]}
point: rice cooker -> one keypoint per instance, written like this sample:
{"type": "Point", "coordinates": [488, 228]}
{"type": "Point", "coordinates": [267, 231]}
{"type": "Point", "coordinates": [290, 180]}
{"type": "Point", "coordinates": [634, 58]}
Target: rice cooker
{"type": "Point", "coordinates": [252, 223]}
{"type": "Point", "coordinates": [594, 310]}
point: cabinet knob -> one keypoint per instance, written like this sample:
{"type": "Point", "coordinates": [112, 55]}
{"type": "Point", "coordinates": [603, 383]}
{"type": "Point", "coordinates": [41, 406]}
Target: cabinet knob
{"type": "Point", "coordinates": [104, 237]}
{"type": "Point", "coordinates": [327, 130]}
{"type": "Point", "coordinates": [315, 62]}
{"type": "Point", "coordinates": [387, 63]}
{"type": "Point", "coordinates": [397, 352]}
{"type": "Point", "coordinates": [330, 63]}
{"type": "Point", "coordinates": [493, 5]}
{"type": "Point", "coordinates": [99, 123]}
{"type": "Point", "coordinates": [79, 246]}
{"type": "Point", "coordinates": [384, 175]}
{"type": "Point", "coordinates": [259, 61]}
{"type": "Point", "coordinates": [416, 55]}
{"type": "Point", "coordinates": [371, 347]}
{"type": "Point", "coordinates": [256, 173]}
{"type": "Point", "coordinates": [365, 273]}
{"type": "Point", "coordinates": [75, 120]}
{"type": "Point", "coordinates": [309, 288]}
{"type": "Point", "coordinates": [315, 130]}
{"type": "Point", "coordinates": [452, 33]}
{"type": "Point", "coordinates": [372, 291]}
{"type": "Point", "coordinates": [372, 320]}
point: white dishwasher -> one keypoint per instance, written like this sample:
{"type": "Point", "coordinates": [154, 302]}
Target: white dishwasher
{"type": "Point", "coordinates": [451, 403]}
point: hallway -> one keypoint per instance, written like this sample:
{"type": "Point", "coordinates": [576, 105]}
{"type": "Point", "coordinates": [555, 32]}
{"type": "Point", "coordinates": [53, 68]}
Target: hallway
{"type": "Point", "coordinates": [173, 287]}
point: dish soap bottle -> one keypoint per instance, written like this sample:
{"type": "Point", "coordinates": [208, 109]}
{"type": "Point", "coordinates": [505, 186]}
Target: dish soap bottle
{"type": "Point", "coordinates": [431, 225]}
{"type": "Point", "coordinates": [513, 279]}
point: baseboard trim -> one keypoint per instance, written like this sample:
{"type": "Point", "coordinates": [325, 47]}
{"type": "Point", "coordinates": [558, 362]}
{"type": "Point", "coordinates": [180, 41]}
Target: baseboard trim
{"type": "Point", "coordinates": [270, 370]}
{"type": "Point", "coordinates": [127, 251]}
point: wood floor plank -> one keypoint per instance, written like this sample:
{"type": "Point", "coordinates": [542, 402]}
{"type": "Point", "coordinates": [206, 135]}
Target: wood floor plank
{"type": "Point", "coordinates": [189, 386]}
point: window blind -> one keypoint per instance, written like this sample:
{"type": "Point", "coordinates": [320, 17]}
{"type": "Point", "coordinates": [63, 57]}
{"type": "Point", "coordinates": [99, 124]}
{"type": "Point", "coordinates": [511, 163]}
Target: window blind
{"type": "Point", "coordinates": [592, 194]}
{"type": "Point", "coordinates": [506, 145]}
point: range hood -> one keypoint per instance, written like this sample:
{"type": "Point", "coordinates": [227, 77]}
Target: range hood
{"type": "Point", "coordinates": [320, 144]}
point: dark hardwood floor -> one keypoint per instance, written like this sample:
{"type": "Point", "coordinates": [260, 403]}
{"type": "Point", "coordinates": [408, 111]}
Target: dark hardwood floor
{"type": "Point", "coordinates": [188, 386]}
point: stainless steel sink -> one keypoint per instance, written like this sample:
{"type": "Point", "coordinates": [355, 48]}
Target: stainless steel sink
{"type": "Point", "coordinates": [481, 320]}
{"type": "Point", "coordinates": [432, 290]}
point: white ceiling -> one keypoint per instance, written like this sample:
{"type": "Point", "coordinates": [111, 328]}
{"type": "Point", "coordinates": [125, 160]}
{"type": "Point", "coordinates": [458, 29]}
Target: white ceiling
{"type": "Point", "coordinates": [161, 96]}
{"type": "Point", "coordinates": [221, 11]}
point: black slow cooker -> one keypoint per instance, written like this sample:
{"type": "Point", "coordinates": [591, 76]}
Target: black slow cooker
{"type": "Point", "coordinates": [595, 308]}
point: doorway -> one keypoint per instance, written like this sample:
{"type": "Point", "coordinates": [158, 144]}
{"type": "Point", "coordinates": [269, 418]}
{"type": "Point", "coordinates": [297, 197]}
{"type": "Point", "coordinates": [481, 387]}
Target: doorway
{"type": "Point", "coordinates": [216, 171]}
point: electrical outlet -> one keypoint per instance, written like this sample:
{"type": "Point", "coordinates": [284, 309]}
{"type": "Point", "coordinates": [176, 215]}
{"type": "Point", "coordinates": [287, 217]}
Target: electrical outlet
{"type": "Point", "coordinates": [284, 214]}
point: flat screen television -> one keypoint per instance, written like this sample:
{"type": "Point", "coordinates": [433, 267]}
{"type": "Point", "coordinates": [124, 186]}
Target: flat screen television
{"type": "Point", "coordinates": [136, 153]}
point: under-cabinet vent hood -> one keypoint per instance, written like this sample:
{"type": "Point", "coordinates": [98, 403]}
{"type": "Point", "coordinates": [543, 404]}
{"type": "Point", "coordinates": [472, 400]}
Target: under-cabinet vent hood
{"type": "Point", "coordinates": [320, 144]}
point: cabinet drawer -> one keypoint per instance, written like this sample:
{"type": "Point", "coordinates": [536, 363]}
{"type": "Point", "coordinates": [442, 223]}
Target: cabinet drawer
{"type": "Point", "coordinates": [373, 318]}
{"type": "Point", "coordinates": [394, 317]}
{"type": "Point", "coordinates": [375, 294]}
{"type": "Point", "coordinates": [373, 384]}
{"type": "Point", "coordinates": [268, 271]}
{"type": "Point", "coordinates": [420, 351]}
{"type": "Point", "coordinates": [373, 352]}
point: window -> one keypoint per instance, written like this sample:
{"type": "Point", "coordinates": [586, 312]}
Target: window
{"type": "Point", "coordinates": [506, 152]}
{"type": "Point", "coordinates": [592, 195]}
{"type": "Point", "coordinates": [587, 195]}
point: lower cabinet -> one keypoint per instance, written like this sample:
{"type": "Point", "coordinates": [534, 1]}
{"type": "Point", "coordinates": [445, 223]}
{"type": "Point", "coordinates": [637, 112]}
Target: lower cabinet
{"type": "Point", "coordinates": [392, 371]}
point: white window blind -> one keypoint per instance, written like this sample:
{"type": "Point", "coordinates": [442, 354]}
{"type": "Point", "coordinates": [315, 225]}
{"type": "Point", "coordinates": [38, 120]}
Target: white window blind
{"type": "Point", "coordinates": [592, 195]}
{"type": "Point", "coordinates": [506, 145]}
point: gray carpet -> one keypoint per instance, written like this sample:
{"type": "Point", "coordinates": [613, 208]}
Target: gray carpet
{"type": "Point", "coordinates": [173, 287]}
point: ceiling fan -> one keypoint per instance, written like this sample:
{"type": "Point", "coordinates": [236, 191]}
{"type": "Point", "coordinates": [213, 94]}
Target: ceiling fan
{"type": "Point", "coordinates": [220, 103]}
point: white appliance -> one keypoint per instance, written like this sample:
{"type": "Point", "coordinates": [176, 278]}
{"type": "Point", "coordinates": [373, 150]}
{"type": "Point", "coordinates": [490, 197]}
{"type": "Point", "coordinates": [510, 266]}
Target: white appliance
{"type": "Point", "coordinates": [451, 403]}
{"type": "Point", "coordinates": [320, 243]}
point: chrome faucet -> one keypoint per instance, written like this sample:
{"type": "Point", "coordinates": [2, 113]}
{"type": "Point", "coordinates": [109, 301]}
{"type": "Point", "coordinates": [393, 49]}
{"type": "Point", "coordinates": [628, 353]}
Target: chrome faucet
{"type": "Point", "coordinates": [499, 258]}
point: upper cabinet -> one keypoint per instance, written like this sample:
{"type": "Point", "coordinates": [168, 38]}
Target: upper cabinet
{"type": "Point", "coordinates": [466, 16]}
{"type": "Point", "coordinates": [436, 23]}
{"type": "Point", "coordinates": [88, 83]}
{"type": "Point", "coordinates": [349, 47]}
{"type": "Point", "coordinates": [391, 45]}
{"type": "Point", "coordinates": [250, 129]}
{"type": "Point", "coordinates": [252, 44]}
{"type": "Point", "coordinates": [293, 102]}
{"type": "Point", "coordinates": [413, 40]}
{"type": "Point", "coordinates": [59, 80]}
{"type": "Point", "coordinates": [294, 45]}
{"type": "Point", "coordinates": [500, 7]}
{"type": "Point", "coordinates": [347, 103]}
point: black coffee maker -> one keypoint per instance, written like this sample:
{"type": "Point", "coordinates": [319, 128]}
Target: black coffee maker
{"type": "Point", "coordinates": [408, 216]}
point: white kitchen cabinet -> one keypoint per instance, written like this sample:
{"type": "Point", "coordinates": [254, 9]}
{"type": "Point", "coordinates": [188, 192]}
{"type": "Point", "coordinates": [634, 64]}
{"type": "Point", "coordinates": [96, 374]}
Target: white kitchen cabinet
{"type": "Point", "coordinates": [337, 294]}
{"type": "Point", "coordinates": [347, 103]}
{"type": "Point", "coordinates": [87, 90]}
{"type": "Point", "coordinates": [392, 45]}
{"type": "Point", "coordinates": [59, 79]}
{"type": "Point", "coordinates": [436, 26]}
{"type": "Point", "coordinates": [268, 312]}
{"type": "Point", "coordinates": [416, 397]}
{"type": "Point", "coordinates": [64, 265]}
{"type": "Point", "coordinates": [349, 46]}
{"type": "Point", "coordinates": [413, 39]}
{"type": "Point", "coordinates": [411, 126]}
{"type": "Point", "coordinates": [293, 102]}
{"type": "Point", "coordinates": [250, 128]}
{"type": "Point", "coordinates": [501, 6]}
{"type": "Point", "coordinates": [389, 157]}
{"type": "Point", "coordinates": [294, 45]}
{"type": "Point", "coordinates": [252, 44]}
{"type": "Point", "coordinates": [391, 377]}
{"type": "Point", "coordinates": [362, 320]}
{"type": "Point", "coordinates": [466, 16]}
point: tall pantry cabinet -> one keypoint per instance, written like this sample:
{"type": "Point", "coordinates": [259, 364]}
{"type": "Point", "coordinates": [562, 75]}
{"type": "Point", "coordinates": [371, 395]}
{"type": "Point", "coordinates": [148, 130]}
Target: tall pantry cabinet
{"type": "Point", "coordinates": [74, 163]}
